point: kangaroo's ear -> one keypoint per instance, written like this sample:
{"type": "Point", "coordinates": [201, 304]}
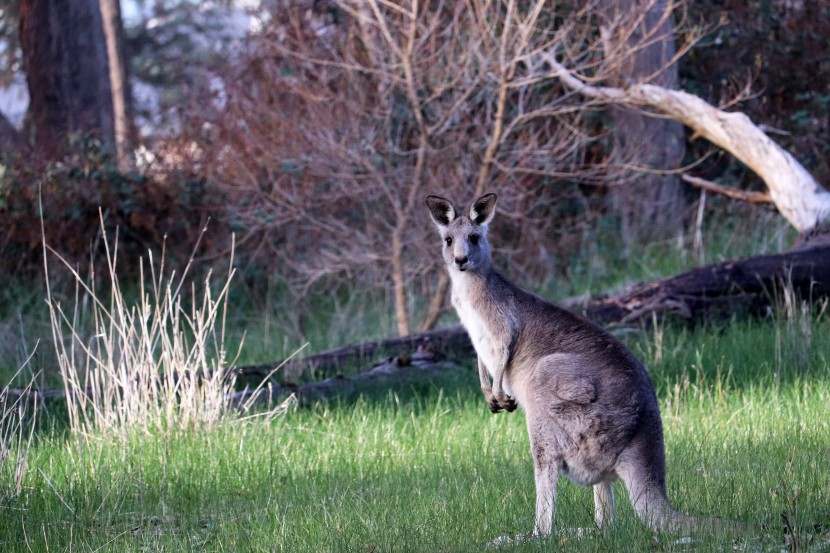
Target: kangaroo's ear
{"type": "Point", "coordinates": [483, 209]}
{"type": "Point", "coordinates": [441, 210]}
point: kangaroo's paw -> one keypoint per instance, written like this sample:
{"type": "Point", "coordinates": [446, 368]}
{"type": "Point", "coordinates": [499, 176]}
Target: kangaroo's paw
{"type": "Point", "coordinates": [505, 402]}
{"type": "Point", "coordinates": [493, 403]}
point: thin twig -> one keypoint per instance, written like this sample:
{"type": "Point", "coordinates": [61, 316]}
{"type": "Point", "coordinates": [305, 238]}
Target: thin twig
{"type": "Point", "coordinates": [729, 192]}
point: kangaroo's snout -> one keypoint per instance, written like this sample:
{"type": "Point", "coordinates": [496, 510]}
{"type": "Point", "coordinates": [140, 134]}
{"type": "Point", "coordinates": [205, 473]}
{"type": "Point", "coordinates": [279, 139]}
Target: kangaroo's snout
{"type": "Point", "coordinates": [462, 262]}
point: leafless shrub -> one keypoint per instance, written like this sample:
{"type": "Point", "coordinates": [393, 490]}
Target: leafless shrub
{"type": "Point", "coordinates": [343, 115]}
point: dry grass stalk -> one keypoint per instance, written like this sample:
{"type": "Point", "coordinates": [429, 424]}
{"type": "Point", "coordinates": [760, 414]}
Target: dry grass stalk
{"type": "Point", "coordinates": [18, 414]}
{"type": "Point", "coordinates": [157, 365]}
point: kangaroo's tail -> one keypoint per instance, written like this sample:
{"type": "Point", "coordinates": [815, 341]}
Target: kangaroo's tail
{"type": "Point", "coordinates": [650, 502]}
{"type": "Point", "coordinates": [643, 470]}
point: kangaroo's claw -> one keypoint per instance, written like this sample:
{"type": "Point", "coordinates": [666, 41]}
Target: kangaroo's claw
{"type": "Point", "coordinates": [505, 403]}
{"type": "Point", "coordinates": [493, 403]}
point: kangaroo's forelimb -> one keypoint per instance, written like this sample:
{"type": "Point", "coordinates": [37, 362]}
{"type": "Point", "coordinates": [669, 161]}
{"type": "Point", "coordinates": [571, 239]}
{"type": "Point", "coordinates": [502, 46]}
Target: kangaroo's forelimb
{"type": "Point", "coordinates": [507, 403]}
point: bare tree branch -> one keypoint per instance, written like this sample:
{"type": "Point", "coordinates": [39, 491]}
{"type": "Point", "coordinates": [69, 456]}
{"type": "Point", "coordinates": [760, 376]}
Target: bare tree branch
{"type": "Point", "coordinates": [796, 194]}
{"type": "Point", "coordinates": [734, 193]}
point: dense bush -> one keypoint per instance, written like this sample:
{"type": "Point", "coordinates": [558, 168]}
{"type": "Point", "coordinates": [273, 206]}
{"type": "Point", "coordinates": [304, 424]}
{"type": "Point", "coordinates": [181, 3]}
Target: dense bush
{"type": "Point", "coordinates": [147, 209]}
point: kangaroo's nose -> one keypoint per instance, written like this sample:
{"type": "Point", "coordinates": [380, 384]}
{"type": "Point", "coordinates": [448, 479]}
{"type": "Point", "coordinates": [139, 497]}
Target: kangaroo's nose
{"type": "Point", "coordinates": [461, 261]}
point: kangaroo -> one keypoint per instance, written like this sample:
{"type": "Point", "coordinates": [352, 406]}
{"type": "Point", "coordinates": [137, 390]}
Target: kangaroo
{"type": "Point", "coordinates": [592, 412]}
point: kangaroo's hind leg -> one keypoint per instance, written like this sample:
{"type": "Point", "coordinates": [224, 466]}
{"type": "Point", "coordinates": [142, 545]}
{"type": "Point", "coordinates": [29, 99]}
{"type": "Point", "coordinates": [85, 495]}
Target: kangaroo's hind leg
{"type": "Point", "coordinates": [604, 504]}
{"type": "Point", "coordinates": [546, 473]}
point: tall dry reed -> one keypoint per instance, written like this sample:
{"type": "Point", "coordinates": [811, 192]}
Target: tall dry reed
{"type": "Point", "coordinates": [157, 364]}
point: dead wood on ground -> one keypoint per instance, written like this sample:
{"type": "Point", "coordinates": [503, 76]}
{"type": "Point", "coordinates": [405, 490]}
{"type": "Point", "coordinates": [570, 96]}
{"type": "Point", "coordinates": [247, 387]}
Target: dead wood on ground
{"type": "Point", "coordinates": [746, 286]}
{"type": "Point", "coordinates": [749, 286]}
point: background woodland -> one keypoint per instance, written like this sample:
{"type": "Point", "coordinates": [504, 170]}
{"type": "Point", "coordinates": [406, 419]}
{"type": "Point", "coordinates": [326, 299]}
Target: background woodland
{"type": "Point", "coordinates": [311, 131]}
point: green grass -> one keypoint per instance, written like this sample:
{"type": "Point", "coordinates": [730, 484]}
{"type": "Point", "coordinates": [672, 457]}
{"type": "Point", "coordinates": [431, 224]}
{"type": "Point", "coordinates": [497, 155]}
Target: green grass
{"type": "Point", "coordinates": [745, 409]}
{"type": "Point", "coordinates": [730, 230]}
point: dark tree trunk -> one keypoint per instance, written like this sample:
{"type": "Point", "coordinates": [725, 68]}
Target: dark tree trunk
{"type": "Point", "coordinates": [65, 59]}
{"type": "Point", "coordinates": [639, 36]}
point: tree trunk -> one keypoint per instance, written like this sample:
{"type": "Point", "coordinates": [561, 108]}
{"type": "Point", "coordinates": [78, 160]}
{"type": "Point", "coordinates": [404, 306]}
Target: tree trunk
{"type": "Point", "coordinates": [436, 304]}
{"type": "Point", "coordinates": [119, 81]}
{"type": "Point", "coordinates": [399, 284]}
{"type": "Point", "coordinates": [639, 36]}
{"type": "Point", "coordinates": [65, 59]}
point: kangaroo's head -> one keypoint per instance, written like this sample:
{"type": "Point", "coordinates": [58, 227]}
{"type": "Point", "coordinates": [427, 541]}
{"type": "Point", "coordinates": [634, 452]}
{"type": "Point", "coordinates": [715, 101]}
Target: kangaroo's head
{"type": "Point", "coordinates": [464, 236]}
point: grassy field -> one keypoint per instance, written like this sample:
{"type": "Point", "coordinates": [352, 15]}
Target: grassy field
{"type": "Point", "coordinates": [428, 467]}
{"type": "Point", "coordinates": [745, 408]}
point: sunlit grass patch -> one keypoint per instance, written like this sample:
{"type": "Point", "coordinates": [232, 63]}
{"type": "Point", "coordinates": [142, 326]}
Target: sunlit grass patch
{"type": "Point", "coordinates": [436, 471]}
{"type": "Point", "coordinates": [18, 413]}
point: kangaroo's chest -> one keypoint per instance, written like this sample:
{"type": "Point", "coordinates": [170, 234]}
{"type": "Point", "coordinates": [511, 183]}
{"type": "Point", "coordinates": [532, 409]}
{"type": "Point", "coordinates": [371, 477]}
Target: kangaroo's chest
{"type": "Point", "coordinates": [475, 322]}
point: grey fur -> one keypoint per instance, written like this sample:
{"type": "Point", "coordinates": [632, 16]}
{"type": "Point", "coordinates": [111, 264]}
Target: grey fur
{"type": "Point", "coordinates": [592, 411]}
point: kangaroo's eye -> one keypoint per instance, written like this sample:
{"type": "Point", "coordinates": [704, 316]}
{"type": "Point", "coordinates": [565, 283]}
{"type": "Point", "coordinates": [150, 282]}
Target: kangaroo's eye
{"type": "Point", "coordinates": [448, 240]}
{"type": "Point", "coordinates": [474, 239]}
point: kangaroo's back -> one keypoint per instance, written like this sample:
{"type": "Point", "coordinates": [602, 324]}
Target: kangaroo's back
{"type": "Point", "coordinates": [592, 412]}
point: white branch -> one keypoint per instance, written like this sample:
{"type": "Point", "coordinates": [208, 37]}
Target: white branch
{"type": "Point", "coordinates": [794, 191]}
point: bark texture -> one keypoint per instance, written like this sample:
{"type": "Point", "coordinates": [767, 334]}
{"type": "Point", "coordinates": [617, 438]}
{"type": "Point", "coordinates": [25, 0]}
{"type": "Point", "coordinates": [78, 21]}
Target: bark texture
{"type": "Point", "coordinates": [743, 286]}
{"type": "Point", "coordinates": [638, 35]}
{"type": "Point", "coordinates": [65, 59]}
{"type": "Point", "coordinates": [396, 371]}
{"type": "Point", "coordinates": [119, 81]}
{"type": "Point", "coordinates": [11, 140]}
{"type": "Point", "coordinates": [447, 341]}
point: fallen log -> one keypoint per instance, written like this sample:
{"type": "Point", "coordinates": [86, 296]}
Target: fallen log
{"type": "Point", "coordinates": [746, 286]}
{"type": "Point", "coordinates": [743, 286]}
{"type": "Point", "coordinates": [448, 341]}
{"type": "Point", "coordinates": [397, 370]}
